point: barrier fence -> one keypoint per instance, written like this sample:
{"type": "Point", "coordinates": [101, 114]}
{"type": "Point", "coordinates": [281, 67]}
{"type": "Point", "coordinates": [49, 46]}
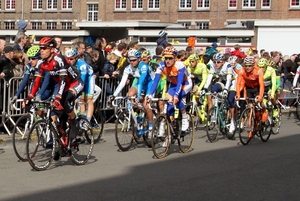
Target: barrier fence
{"type": "Point", "coordinates": [8, 89]}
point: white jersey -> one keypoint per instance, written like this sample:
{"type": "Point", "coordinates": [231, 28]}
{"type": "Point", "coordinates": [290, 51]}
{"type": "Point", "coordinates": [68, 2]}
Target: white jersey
{"type": "Point", "coordinates": [224, 74]}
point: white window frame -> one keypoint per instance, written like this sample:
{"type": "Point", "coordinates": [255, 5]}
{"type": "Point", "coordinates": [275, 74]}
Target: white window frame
{"type": "Point", "coordinates": [51, 25]}
{"type": "Point", "coordinates": [38, 4]}
{"type": "Point", "coordinates": [92, 12]}
{"type": "Point", "coordinates": [294, 6]}
{"type": "Point", "coordinates": [203, 3]}
{"type": "Point", "coordinates": [66, 25]}
{"type": "Point", "coordinates": [138, 3]}
{"type": "Point", "coordinates": [186, 24]}
{"type": "Point", "coordinates": [187, 4]}
{"type": "Point", "coordinates": [200, 25]}
{"type": "Point", "coordinates": [52, 6]}
{"type": "Point", "coordinates": [67, 4]}
{"type": "Point", "coordinates": [10, 5]}
{"type": "Point", "coordinates": [249, 4]}
{"type": "Point", "coordinates": [122, 3]}
{"type": "Point", "coordinates": [265, 7]}
{"type": "Point", "coordinates": [36, 25]}
{"type": "Point", "coordinates": [232, 7]}
{"type": "Point", "coordinates": [11, 25]}
{"type": "Point", "coordinates": [154, 2]}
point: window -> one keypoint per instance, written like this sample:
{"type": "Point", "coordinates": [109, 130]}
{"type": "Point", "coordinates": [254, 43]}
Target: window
{"type": "Point", "coordinates": [187, 25]}
{"type": "Point", "coordinates": [52, 4]}
{"type": "Point", "coordinates": [36, 25]}
{"type": "Point", "coordinates": [153, 4]}
{"type": "Point", "coordinates": [249, 3]}
{"type": "Point", "coordinates": [185, 4]}
{"type": "Point", "coordinates": [137, 4]}
{"type": "Point", "coordinates": [232, 4]}
{"type": "Point", "coordinates": [51, 25]}
{"type": "Point", "coordinates": [10, 4]}
{"type": "Point", "coordinates": [67, 4]}
{"type": "Point", "coordinates": [37, 4]}
{"type": "Point", "coordinates": [66, 25]}
{"type": "Point", "coordinates": [202, 25]}
{"type": "Point", "coordinates": [120, 5]}
{"type": "Point", "coordinates": [265, 3]}
{"type": "Point", "coordinates": [9, 25]}
{"type": "Point", "coordinates": [295, 3]}
{"type": "Point", "coordinates": [92, 12]}
{"type": "Point", "coordinates": [203, 4]}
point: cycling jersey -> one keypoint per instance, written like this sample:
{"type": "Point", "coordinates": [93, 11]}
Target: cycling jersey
{"type": "Point", "coordinates": [296, 77]}
{"type": "Point", "coordinates": [270, 80]}
{"type": "Point", "coordinates": [144, 78]}
{"type": "Point", "coordinates": [200, 71]}
{"type": "Point", "coordinates": [253, 79]}
{"type": "Point", "coordinates": [221, 75]}
{"type": "Point", "coordinates": [87, 77]}
{"type": "Point", "coordinates": [61, 72]}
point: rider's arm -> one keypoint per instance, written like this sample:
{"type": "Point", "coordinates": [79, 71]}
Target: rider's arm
{"type": "Point", "coordinates": [209, 78]}
{"type": "Point", "coordinates": [204, 77]}
{"type": "Point", "coordinates": [143, 75]}
{"type": "Point", "coordinates": [228, 78]}
{"type": "Point", "coordinates": [180, 79]}
{"type": "Point", "coordinates": [122, 83]}
{"type": "Point", "coordinates": [273, 80]}
{"type": "Point", "coordinates": [45, 84]}
{"type": "Point", "coordinates": [24, 80]}
{"type": "Point", "coordinates": [296, 77]}
{"type": "Point", "coordinates": [155, 83]}
{"type": "Point", "coordinates": [240, 84]}
{"type": "Point", "coordinates": [36, 82]}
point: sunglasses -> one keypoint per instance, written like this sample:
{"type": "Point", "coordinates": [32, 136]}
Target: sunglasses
{"type": "Point", "coordinates": [44, 48]}
{"type": "Point", "coordinates": [169, 58]}
{"type": "Point", "coordinates": [144, 59]}
{"type": "Point", "coordinates": [71, 58]}
{"type": "Point", "coordinates": [132, 60]}
{"type": "Point", "coordinates": [217, 62]}
{"type": "Point", "coordinates": [31, 59]}
{"type": "Point", "coordinates": [192, 61]}
{"type": "Point", "coordinates": [248, 66]}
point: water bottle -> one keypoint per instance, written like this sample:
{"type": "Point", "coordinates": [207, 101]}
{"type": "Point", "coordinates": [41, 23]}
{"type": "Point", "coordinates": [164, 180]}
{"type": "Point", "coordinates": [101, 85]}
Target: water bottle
{"type": "Point", "coordinates": [176, 113]}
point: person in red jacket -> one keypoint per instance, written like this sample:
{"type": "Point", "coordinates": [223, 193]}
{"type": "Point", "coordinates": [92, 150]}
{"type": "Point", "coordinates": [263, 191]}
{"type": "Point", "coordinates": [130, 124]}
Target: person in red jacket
{"type": "Point", "coordinates": [237, 52]}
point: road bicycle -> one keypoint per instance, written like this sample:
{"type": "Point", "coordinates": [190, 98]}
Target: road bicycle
{"type": "Point", "coordinates": [218, 118]}
{"type": "Point", "coordinates": [40, 155]}
{"type": "Point", "coordinates": [131, 124]}
{"type": "Point", "coordinates": [255, 120]}
{"type": "Point", "coordinates": [166, 132]}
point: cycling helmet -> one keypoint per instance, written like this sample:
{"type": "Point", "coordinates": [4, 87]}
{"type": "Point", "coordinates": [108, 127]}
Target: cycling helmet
{"type": "Point", "coordinates": [193, 57]}
{"type": "Point", "coordinates": [146, 54]}
{"type": "Point", "coordinates": [218, 57]}
{"type": "Point", "coordinates": [71, 53]}
{"type": "Point", "coordinates": [134, 53]}
{"type": "Point", "coordinates": [170, 51]}
{"type": "Point", "coordinates": [272, 64]}
{"type": "Point", "coordinates": [47, 42]}
{"type": "Point", "coordinates": [249, 60]}
{"type": "Point", "coordinates": [232, 59]}
{"type": "Point", "coordinates": [262, 63]}
{"type": "Point", "coordinates": [33, 52]}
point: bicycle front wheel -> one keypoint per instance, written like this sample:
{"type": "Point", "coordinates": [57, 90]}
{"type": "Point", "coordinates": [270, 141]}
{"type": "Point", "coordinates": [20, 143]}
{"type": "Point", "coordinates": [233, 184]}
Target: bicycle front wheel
{"type": "Point", "coordinates": [186, 139]}
{"type": "Point", "coordinates": [81, 148]}
{"type": "Point", "coordinates": [161, 137]}
{"type": "Point", "coordinates": [20, 133]}
{"type": "Point", "coordinates": [97, 123]}
{"type": "Point", "coordinates": [277, 118]}
{"type": "Point", "coordinates": [40, 153]}
{"type": "Point", "coordinates": [212, 130]}
{"type": "Point", "coordinates": [124, 131]}
{"type": "Point", "coordinates": [246, 126]}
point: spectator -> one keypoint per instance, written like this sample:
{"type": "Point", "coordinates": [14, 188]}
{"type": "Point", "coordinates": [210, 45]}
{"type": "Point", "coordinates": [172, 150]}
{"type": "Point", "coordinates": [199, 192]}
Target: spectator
{"type": "Point", "coordinates": [21, 41]}
{"type": "Point", "coordinates": [162, 39]}
{"type": "Point", "coordinates": [18, 63]}
{"type": "Point", "coordinates": [210, 50]}
{"type": "Point", "coordinates": [134, 44]}
{"type": "Point", "coordinates": [237, 52]}
{"type": "Point", "coordinates": [87, 56]}
{"type": "Point", "coordinates": [100, 45]}
{"type": "Point", "coordinates": [261, 52]}
{"type": "Point", "coordinates": [95, 57]}
{"type": "Point", "coordinates": [2, 45]}
{"type": "Point", "coordinates": [58, 40]}
{"type": "Point", "coordinates": [6, 66]}
{"type": "Point", "coordinates": [109, 71]}
{"type": "Point", "coordinates": [22, 25]}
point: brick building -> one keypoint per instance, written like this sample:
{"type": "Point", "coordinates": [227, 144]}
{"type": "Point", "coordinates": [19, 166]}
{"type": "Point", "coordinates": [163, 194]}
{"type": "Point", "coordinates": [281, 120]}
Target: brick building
{"type": "Point", "coordinates": [224, 21]}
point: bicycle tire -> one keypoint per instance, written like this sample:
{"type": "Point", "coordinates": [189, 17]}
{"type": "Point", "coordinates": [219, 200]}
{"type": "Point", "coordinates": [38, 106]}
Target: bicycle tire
{"type": "Point", "coordinates": [19, 136]}
{"type": "Point", "coordinates": [276, 124]}
{"type": "Point", "coordinates": [224, 108]}
{"type": "Point", "coordinates": [123, 133]}
{"type": "Point", "coordinates": [81, 149]}
{"type": "Point", "coordinates": [212, 130]}
{"type": "Point", "coordinates": [137, 138]}
{"type": "Point", "coordinates": [266, 128]}
{"type": "Point", "coordinates": [245, 125]}
{"type": "Point", "coordinates": [194, 114]}
{"type": "Point", "coordinates": [298, 110]}
{"type": "Point", "coordinates": [39, 155]}
{"type": "Point", "coordinates": [97, 123]}
{"type": "Point", "coordinates": [185, 141]}
{"type": "Point", "coordinates": [147, 134]}
{"type": "Point", "coordinates": [160, 142]}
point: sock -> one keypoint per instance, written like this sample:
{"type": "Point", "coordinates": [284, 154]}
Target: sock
{"type": "Point", "coordinates": [184, 116]}
{"type": "Point", "coordinates": [88, 118]}
{"type": "Point", "coordinates": [150, 125]}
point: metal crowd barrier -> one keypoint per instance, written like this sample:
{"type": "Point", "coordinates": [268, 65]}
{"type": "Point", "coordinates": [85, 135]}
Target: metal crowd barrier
{"type": "Point", "coordinates": [9, 115]}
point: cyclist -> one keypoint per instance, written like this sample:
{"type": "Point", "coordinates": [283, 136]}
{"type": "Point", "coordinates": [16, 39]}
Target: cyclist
{"type": "Point", "coordinates": [180, 84]}
{"type": "Point", "coordinates": [88, 79]}
{"type": "Point", "coordinates": [252, 78]}
{"type": "Point", "coordinates": [68, 78]}
{"type": "Point", "coordinates": [143, 80]}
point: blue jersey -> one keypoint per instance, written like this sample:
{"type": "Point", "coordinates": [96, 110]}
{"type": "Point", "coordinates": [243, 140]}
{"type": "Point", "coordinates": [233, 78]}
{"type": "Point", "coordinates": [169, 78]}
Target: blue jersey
{"type": "Point", "coordinates": [87, 76]}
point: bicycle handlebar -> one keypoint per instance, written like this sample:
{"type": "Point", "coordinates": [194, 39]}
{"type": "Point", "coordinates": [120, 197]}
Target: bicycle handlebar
{"type": "Point", "coordinates": [251, 99]}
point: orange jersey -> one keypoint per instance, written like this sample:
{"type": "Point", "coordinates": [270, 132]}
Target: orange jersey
{"type": "Point", "coordinates": [251, 80]}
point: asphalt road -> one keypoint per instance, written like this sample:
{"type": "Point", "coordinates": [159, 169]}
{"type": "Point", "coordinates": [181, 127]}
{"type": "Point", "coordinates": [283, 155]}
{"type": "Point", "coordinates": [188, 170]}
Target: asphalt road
{"type": "Point", "coordinates": [224, 170]}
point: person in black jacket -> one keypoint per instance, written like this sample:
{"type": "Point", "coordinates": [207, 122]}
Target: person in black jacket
{"type": "Point", "coordinates": [6, 65]}
{"type": "Point", "coordinates": [162, 40]}
{"type": "Point", "coordinates": [100, 45]}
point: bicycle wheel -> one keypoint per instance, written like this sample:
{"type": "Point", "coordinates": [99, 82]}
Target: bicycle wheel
{"type": "Point", "coordinates": [123, 131]}
{"type": "Point", "coordinates": [212, 130]}
{"type": "Point", "coordinates": [266, 128]}
{"type": "Point", "coordinates": [39, 155]}
{"type": "Point", "coordinates": [147, 134]}
{"type": "Point", "coordinates": [224, 123]}
{"type": "Point", "coordinates": [245, 126]}
{"type": "Point", "coordinates": [189, 109]}
{"type": "Point", "coordinates": [277, 118]}
{"type": "Point", "coordinates": [161, 137]}
{"type": "Point", "coordinates": [298, 109]}
{"type": "Point", "coordinates": [186, 139]}
{"type": "Point", "coordinates": [81, 148]}
{"type": "Point", "coordinates": [20, 133]}
{"type": "Point", "coordinates": [97, 123]}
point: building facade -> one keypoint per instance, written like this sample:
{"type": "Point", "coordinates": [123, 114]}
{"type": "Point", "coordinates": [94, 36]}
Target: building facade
{"type": "Point", "coordinates": [223, 21]}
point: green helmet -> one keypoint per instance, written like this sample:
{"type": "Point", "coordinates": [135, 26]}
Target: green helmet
{"type": "Point", "coordinates": [262, 63]}
{"type": "Point", "coordinates": [34, 52]}
{"type": "Point", "coordinates": [193, 57]}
